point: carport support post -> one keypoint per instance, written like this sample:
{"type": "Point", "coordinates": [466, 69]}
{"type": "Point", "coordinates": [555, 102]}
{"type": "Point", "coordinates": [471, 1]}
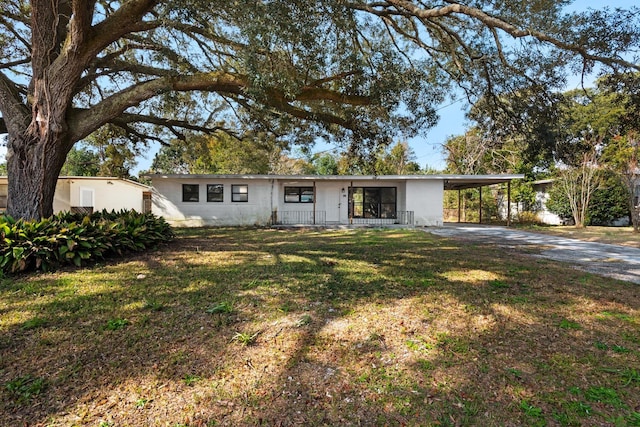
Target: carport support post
{"type": "Point", "coordinates": [459, 204]}
{"type": "Point", "coordinates": [508, 203]}
{"type": "Point", "coordinates": [480, 209]}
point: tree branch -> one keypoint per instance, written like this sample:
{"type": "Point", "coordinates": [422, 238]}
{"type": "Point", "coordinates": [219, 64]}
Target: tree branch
{"type": "Point", "coordinates": [85, 121]}
{"type": "Point", "coordinates": [15, 113]}
{"type": "Point", "coordinates": [515, 32]}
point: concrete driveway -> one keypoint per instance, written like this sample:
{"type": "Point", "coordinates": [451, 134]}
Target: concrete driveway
{"type": "Point", "coordinates": [619, 262]}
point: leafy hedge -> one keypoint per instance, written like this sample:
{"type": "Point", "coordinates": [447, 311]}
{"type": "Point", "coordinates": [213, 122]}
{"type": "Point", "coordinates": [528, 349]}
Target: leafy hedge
{"type": "Point", "coordinates": [76, 239]}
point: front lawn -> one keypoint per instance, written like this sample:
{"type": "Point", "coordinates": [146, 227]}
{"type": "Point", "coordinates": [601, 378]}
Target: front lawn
{"type": "Point", "coordinates": [351, 327]}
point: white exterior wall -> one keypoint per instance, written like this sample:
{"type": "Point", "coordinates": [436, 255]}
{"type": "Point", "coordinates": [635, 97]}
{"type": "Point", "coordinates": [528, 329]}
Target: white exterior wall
{"type": "Point", "coordinates": [62, 196]}
{"type": "Point", "coordinates": [167, 202]}
{"type": "Point", "coordinates": [109, 194]}
{"type": "Point", "coordinates": [425, 199]}
{"type": "Point", "coordinates": [544, 215]}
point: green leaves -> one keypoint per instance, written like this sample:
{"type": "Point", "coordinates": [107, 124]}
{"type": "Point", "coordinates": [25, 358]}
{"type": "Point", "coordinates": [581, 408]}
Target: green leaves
{"type": "Point", "coordinates": [73, 239]}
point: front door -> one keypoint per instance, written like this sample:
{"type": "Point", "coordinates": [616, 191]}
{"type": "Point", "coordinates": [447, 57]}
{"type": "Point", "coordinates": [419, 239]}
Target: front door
{"type": "Point", "coordinates": [332, 199]}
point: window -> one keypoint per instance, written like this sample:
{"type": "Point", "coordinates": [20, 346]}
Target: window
{"type": "Point", "coordinates": [87, 196]}
{"type": "Point", "coordinates": [190, 193]}
{"type": "Point", "coordinates": [240, 193]}
{"type": "Point", "coordinates": [372, 202]}
{"type": "Point", "coordinates": [298, 194]}
{"type": "Point", "coordinates": [215, 192]}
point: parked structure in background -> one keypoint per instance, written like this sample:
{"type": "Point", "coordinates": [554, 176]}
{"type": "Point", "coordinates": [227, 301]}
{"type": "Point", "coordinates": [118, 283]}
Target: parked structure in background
{"type": "Point", "coordinates": [88, 194]}
{"type": "Point", "coordinates": [205, 200]}
{"type": "Point", "coordinates": [541, 187]}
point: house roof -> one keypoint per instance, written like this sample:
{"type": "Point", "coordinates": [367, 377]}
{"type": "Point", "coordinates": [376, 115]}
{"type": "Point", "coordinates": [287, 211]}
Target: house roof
{"type": "Point", "coordinates": [451, 182]}
{"type": "Point", "coordinates": [106, 178]}
{"type": "Point", "coordinates": [4, 179]}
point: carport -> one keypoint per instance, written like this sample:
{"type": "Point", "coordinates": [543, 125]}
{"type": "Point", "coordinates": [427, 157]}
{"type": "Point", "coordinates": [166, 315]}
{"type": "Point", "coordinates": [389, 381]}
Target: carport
{"type": "Point", "coordinates": [465, 182]}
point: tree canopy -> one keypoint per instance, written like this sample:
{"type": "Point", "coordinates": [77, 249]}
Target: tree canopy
{"type": "Point", "coordinates": [353, 71]}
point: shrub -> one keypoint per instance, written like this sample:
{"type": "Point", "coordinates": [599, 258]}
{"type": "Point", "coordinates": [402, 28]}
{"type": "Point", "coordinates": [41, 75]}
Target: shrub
{"type": "Point", "coordinates": [77, 239]}
{"type": "Point", "coordinates": [528, 218]}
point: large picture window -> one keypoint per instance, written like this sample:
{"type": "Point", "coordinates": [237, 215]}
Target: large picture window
{"type": "Point", "coordinates": [215, 193]}
{"type": "Point", "coordinates": [298, 194]}
{"type": "Point", "coordinates": [372, 202]}
{"type": "Point", "coordinates": [190, 193]}
{"type": "Point", "coordinates": [240, 193]}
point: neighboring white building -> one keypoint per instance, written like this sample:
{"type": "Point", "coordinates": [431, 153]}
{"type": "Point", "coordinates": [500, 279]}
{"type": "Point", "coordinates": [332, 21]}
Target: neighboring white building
{"type": "Point", "coordinates": [88, 194]}
{"type": "Point", "coordinates": [545, 216]}
{"type": "Point", "coordinates": [205, 200]}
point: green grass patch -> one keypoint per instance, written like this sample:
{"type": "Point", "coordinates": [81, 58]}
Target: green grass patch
{"type": "Point", "coordinates": [319, 327]}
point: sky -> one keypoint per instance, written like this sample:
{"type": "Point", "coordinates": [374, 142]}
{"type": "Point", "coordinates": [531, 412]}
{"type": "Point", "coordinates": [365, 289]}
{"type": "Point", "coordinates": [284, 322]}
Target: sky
{"type": "Point", "coordinates": [428, 149]}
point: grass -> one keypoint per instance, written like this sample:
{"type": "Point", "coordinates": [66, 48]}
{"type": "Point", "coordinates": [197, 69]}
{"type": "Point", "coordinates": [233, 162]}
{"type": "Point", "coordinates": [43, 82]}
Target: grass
{"type": "Point", "coordinates": [350, 327]}
{"type": "Point", "coordinates": [614, 235]}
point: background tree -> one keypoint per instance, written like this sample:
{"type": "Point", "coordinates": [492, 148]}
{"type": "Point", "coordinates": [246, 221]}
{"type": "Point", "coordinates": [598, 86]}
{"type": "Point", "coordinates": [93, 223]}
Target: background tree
{"type": "Point", "coordinates": [623, 157]}
{"type": "Point", "coordinates": [609, 202]}
{"type": "Point", "coordinates": [622, 154]}
{"type": "Point", "coordinates": [578, 183]}
{"type": "Point", "coordinates": [399, 159]}
{"type": "Point", "coordinates": [81, 161]}
{"type": "Point", "coordinates": [218, 153]}
{"type": "Point", "coordinates": [325, 164]}
{"type": "Point", "coordinates": [348, 71]}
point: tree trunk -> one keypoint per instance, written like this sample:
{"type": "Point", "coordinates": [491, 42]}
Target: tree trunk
{"type": "Point", "coordinates": [33, 166]}
{"type": "Point", "coordinates": [635, 214]}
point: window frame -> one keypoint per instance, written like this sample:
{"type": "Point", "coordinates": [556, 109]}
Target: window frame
{"type": "Point", "coordinates": [186, 199]}
{"type": "Point", "coordinates": [378, 208]}
{"type": "Point", "coordinates": [210, 194]}
{"type": "Point", "coordinates": [299, 193]}
{"type": "Point", "coordinates": [235, 193]}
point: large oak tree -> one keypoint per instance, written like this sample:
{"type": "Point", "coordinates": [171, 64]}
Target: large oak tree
{"type": "Point", "coordinates": [297, 69]}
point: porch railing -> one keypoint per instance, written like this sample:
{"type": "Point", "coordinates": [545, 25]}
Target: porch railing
{"type": "Point", "coordinates": [401, 218]}
{"type": "Point", "coordinates": [320, 218]}
{"type": "Point", "coordinates": [299, 217]}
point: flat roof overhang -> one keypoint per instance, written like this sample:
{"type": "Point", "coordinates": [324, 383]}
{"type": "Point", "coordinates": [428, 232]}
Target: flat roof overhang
{"type": "Point", "coordinates": [451, 182]}
{"type": "Point", "coordinates": [463, 182]}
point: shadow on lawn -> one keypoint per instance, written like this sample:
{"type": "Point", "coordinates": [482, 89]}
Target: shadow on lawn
{"type": "Point", "coordinates": [399, 328]}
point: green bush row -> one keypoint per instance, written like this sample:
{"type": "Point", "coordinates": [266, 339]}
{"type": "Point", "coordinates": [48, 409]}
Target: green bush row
{"type": "Point", "coordinates": [77, 239]}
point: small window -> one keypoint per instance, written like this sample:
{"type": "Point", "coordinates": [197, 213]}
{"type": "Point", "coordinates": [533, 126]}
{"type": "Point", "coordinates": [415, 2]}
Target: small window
{"type": "Point", "coordinates": [239, 193]}
{"type": "Point", "coordinates": [298, 194]}
{"type": "Point", "coordinates": [215, 192]}
{"type": "Point", "coordinates": [190, 193]}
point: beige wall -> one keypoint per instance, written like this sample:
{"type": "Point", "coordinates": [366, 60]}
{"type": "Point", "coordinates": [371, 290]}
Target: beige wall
{"type": "Point", "coordinates": [62, 196]}
{"type": "Point", "coordinates": [110, 194]}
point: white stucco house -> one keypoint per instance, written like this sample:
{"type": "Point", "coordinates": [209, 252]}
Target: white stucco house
{"type": "Point", "coordinates": [88, 194]}
{"type": "Point", "coordinates": [215, 200]}
{"type": "Point", "coordinates": [541, 188]}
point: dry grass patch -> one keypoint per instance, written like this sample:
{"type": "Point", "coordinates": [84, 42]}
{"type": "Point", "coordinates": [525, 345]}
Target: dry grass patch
{"type": "Point", "coordinates": [368, 327]}
{"type": "Point", "coordinates": [613, 235]}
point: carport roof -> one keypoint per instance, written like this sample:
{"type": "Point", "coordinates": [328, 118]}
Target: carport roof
{"type": "Point", "coordinates": [451, 182]}
{"type": "Point", "coordinates": [461, 182]}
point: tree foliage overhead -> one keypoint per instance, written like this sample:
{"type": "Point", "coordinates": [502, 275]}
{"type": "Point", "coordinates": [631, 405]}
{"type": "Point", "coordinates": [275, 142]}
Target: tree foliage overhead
{"type": "Point", "coordinates": [355, 71]}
